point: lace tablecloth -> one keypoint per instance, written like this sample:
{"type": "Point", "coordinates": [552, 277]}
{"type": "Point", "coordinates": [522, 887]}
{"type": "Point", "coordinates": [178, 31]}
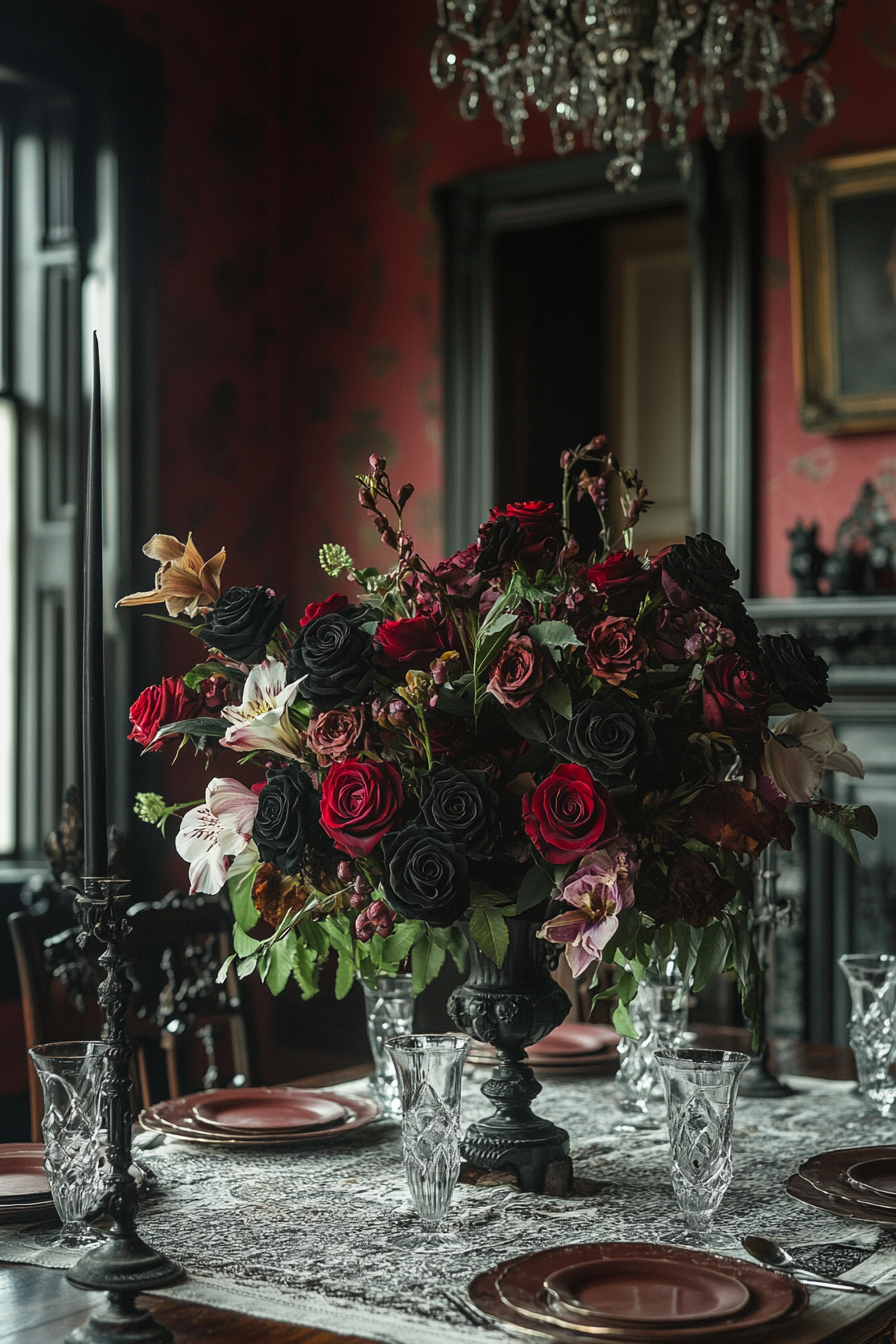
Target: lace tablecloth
{"type": "Point", "coordinates": [308, 1236]}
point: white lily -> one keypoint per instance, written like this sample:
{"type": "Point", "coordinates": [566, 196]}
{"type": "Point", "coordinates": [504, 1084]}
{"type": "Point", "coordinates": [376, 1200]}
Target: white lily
{"type": "Point", "coordinates": [797, 770]}
{"type": "Point", "coordinates": [215, 838]}
{"type": "Point", "coordinates": [261, 721]}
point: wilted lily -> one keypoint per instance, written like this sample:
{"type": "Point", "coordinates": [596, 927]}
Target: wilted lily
{"type": "Point", "coordinates": [261, 722]}
{"type": "Point", "coordinates": [598, 891]}
{"type": "Point", "coordinates": [215, 838]}
{"type": "Point", "coordinates": [796, 766]}
{"type": "Point", "coordinates": [184, 582]}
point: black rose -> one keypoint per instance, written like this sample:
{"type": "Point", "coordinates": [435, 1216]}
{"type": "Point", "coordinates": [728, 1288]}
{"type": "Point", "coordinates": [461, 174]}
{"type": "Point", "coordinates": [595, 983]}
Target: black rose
{"type": "Point", "coordinates": [609, 736]}
{"type": "Point", "coordinates": [287, 818]}
{"type": "Point", "coordinates": [331, 659]}
{"type": "Point", "coordinates": [701, 567]}
{"type": "Point", "coordinates": [425, 875]}
{"type": "Point", "coordinates": [795, 670]}
{"type": "Point", "coordinates": [499, 545]}
{"type": "Point", "coordinates": [460, 804]}
{"type": "Point", "coordinates": [242, 622]}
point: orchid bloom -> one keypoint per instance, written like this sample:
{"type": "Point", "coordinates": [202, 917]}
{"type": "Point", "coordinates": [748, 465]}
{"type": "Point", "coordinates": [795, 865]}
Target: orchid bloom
{"type": "Point", "coordinates": [597, 891]}
{"type": "Point", "coordinates": [797, 770]}
{"type": "Point", "coordinates": [215, 838]}
{"type": "Point", "coordinates": [184, 582]}
{"type": "Point", "coordinates": [261, 722]}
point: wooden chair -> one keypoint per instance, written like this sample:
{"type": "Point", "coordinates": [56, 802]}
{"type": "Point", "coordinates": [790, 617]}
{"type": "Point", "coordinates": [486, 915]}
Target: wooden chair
{"type": "Point", "coordinates": [188, 1032]}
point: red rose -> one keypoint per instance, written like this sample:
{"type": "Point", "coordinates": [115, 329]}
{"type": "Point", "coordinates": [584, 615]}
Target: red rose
{"type": "Point", "coordinates": [448, 734]}
{"type": "Point", "coordinates": [334, 734]}
{"type": "Point", "coordinates": [217, 692]}
{"type": "Point", "coordinates": [541, 532]}
{"type": "Point", "coordinates": [519, 673]}
{"type": "Point", "coordinates": [335, 602]}
{"type": "Point", "coordinates": [359, 801]}
{"type": "Point", "coordinates": [615, 650]}
{"type": "Point", "coordinates": [734, 695]}
{"type": "Point", "coordinates": [172, 702]}
{"type": "Point", "coordinates": [457, 575]}
{"type": "Point", "coordinates": [414, 642]}
{"type": "Point", "coordinates": [568, 814]}
{"type": "Point", "coordinates": [623, 581]}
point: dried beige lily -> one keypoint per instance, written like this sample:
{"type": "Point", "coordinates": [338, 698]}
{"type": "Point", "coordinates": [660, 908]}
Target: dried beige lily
{"type": "Point", "coordinates": [184, 582]}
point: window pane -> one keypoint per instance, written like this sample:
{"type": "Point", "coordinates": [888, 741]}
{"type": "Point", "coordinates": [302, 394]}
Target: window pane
{"type": "Point", "coordinates": [8, 605]}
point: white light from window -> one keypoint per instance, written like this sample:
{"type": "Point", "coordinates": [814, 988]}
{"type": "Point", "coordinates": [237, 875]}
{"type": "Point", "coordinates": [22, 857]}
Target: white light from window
{"type": "Point", "coordinates": [8, 624]}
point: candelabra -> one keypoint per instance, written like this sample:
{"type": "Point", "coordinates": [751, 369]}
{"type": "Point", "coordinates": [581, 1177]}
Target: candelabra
{"type": "Point", "coordinates": [768, 912]}
{"type": "Point", "coordinates": [611, 70]}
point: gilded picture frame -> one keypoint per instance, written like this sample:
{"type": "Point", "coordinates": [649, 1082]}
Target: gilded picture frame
{"type": "Point", "coordinates": [843, 287]}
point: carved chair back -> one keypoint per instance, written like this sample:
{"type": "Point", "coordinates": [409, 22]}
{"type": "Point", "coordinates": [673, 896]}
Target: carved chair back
{"type": "Point", "coordinates": [188, 1032]}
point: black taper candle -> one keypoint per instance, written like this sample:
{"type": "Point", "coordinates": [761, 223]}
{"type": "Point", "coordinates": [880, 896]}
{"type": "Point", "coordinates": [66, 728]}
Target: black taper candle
{"type": "Point", "coordinates": [94, 706]}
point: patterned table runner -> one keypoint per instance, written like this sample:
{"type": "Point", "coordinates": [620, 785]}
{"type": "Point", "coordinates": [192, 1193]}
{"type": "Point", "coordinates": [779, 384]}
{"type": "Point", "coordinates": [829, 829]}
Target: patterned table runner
{"type": "Point", "coordinates": [308, 1236]}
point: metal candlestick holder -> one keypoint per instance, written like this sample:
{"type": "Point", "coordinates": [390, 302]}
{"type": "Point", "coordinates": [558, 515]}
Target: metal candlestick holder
{"type": "Point", "coordinates": [123, 1265]}
{"type": "Point", "coordinates": [757, 1079]}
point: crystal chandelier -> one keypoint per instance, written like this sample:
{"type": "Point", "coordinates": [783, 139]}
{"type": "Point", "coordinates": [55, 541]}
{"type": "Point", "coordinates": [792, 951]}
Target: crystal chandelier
{"type": "Point", "coordinates": [613, 69]}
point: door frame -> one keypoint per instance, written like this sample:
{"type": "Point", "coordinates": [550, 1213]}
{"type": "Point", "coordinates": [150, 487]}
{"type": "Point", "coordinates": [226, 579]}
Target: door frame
{"type": "Point", "coordinates": [723, 203]}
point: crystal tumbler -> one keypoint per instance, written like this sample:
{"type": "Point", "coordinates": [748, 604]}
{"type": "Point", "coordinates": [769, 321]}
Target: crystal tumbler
{"type": "Point", "coordinates": [872, 1026]}
{"type": "Point", "coordinates": [71, 1075]}
{"type": "Point", "coordinates": [660, 1014]}
{"type": "Point", "coordinates": [429, 1070]}
{"type": "Point", "coordinates": [390, 1012]}
{"type": "Point", "coordinates": [701, 1087]}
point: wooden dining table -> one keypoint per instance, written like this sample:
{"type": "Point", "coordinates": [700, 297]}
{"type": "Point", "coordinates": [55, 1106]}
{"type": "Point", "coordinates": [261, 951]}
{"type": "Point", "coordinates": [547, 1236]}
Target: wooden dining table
{"type": "Point", "coordinates": [39, 1306]}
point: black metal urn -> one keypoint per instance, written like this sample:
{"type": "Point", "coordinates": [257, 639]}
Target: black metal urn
{"type": "Point", "coordinates": [512, 1006]}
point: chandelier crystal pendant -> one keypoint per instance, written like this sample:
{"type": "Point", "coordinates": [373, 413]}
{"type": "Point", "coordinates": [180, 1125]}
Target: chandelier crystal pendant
{"type": "Point", "coordinates": [612, 70]}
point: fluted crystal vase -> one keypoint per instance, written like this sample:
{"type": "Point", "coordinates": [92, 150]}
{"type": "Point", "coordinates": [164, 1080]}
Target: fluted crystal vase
{"type": "Point", "coordinates": [390, 1012]}
{"type": "Point", "coordinates": [660, 1015]}
{"type": "Point", "coordinates": [872, 1026]}
{"type": "Point", "coordinates": [701, 1089]}
{"type": "Point", "coordinates": [71, 1074]}
{"type": "Point", "coordinates": [429, 1070]}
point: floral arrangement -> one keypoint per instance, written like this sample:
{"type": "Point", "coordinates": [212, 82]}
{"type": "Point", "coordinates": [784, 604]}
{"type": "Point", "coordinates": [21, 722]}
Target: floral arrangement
{"type": "Point", "coordinates": [519, 732]}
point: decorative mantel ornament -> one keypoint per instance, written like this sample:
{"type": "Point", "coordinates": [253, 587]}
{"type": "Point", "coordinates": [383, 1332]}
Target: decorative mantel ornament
{"type": "Point", "coordinates": [612, 70]}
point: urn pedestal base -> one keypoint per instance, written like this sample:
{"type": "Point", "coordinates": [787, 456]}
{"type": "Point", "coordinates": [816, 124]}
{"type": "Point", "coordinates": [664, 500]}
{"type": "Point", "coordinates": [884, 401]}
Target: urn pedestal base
{"type": "Point", "coordinates": [512, 1006]}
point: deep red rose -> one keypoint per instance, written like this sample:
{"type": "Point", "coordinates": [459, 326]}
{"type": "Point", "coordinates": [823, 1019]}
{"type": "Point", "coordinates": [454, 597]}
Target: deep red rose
{"type": "Point", "coordinates": [335, 602]}
{"type": "Point", "coordinates": [623, 581]}
{"type": "Point", "coordinates": [568, 814]}
{"type": "Point", "coordinates": [449, 735]}
{"type": "Point", "coordinates": [734, 695]}
{"type": "Point", "coordinates": [171, 702]}
{"type": "Point", "coordinates": [217, 692]}
{"type": "Point", "coordinates": [457, 575]}
{"type": "Point", "coordinates": [335, 734]}
{"type": "Point", "coordinates": [414, 642]}
{"type": "Point", "coordinates": [541, 531]}
{"type": "Point", "coordinates": [519, 673]}
{"type": "Point", "coordinates": [615, 650]}
{"type": "Point", "coordinates": [358, 804]}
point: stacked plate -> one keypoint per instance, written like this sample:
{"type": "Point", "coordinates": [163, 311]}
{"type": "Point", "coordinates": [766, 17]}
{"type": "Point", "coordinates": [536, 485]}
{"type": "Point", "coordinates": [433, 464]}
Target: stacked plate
{"type": "Point", "coordinates": [634, 1292]}
{"type": "Point", "coordinates": [853, 1182]}
{"type": "Point", "coordinates": [231, 1117]}
{"type": "Point", "coordinates": [24, 1192]}
{"type": "Point", "coordinates": [570, 1050]}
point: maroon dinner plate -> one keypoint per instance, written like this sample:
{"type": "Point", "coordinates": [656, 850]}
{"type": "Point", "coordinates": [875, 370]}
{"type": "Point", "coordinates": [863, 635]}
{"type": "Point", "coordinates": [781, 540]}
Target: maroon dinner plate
{"type": "Point", "coordinates": [574, 1038]}
{"type": "Point", "coordinates": [803, 1190]}
{"type": "Point", "coordinates": [877, 1174]}
{"type": "Point", "coordinates": [22, 1175]}
{"type": "Point", "coordinates": [261, 1109]}
{"type": "Point", "coordinates": [639, 1291]}
{"type": "Point", "coordinates": [831, 1172]}
{"type": "Point", "coordinates": [176, 1119]}
{"type": "Point", "coordinates": [515, 1293]}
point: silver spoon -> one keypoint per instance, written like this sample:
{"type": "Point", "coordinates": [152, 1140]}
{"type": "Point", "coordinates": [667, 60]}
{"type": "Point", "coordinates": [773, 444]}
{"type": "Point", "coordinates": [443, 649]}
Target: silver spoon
{"type": "Point", "coordinates": [770, 1253]}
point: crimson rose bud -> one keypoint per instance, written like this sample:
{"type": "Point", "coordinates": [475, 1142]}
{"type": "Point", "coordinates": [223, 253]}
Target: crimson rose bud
{"type": "Point", "coordinates": [157, 706]}
{"type": "Point", "coordinates": [359, 803]}
{"type": "Point", "coordinates": [335, 602]}
{"type": "Point", "coordinates": [568, 814]}
{"type": "Point", "coordinates": [734, 694]}
{"type": "Point", "coordinates": [345, 871]}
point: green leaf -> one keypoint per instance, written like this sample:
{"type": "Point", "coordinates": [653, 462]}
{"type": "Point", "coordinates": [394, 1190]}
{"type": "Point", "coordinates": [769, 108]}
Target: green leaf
{"type": "Point", "coordinates": [315, 936]}
{"type": "Point", "coordinates": [243, 945]}
{"type": "Point", "coordinates": [836, 831]}
{"type": "Point", "coordinates": [239, 889]}
{"type": "Point", "coordinates": [623, 1023]}
{"type": "Point", "coordinates": [281, 963]}
{"type": "Point", "coordinates": [400, 941]}
{"type": "Point", "coordinates": [531, 760]}
{"type": "Point", "coordinates": [427, 959]}
{"type": "Point", "coordinates": [553, 635]}
{"type": "Point", "coordinates": [245, 968]}
{"type": "Point", "coordinates": [202, 671]}
{"type": "Point", "coordinates": [865, 821]}
{"type": "Point", "coordinates": [457, 946]}
{"type": "Point", "coordinates": [556, 693]}
{"type": "Point", "coordinates": [489, 930]}
{"type": "Point", "coordinates": [712, 955]}
{"type": "Point", "coordinates": [224, 968]}
{"type": "Point", "coordinates": [215, 728]}
{"type": "Point", "coordinates": [450, 703]}
{"type": "Point", "coordinates": [524, 722]}
{"type": "Point", "coordinates": [535, 887]}
{"type": "Point", "coordinates": [345, 975]}
{"type": "Point", "coordinates": [306, 969]}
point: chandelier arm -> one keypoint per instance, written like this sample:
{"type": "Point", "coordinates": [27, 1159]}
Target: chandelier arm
{"type": "Point", "coordinates": [803, 65]}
